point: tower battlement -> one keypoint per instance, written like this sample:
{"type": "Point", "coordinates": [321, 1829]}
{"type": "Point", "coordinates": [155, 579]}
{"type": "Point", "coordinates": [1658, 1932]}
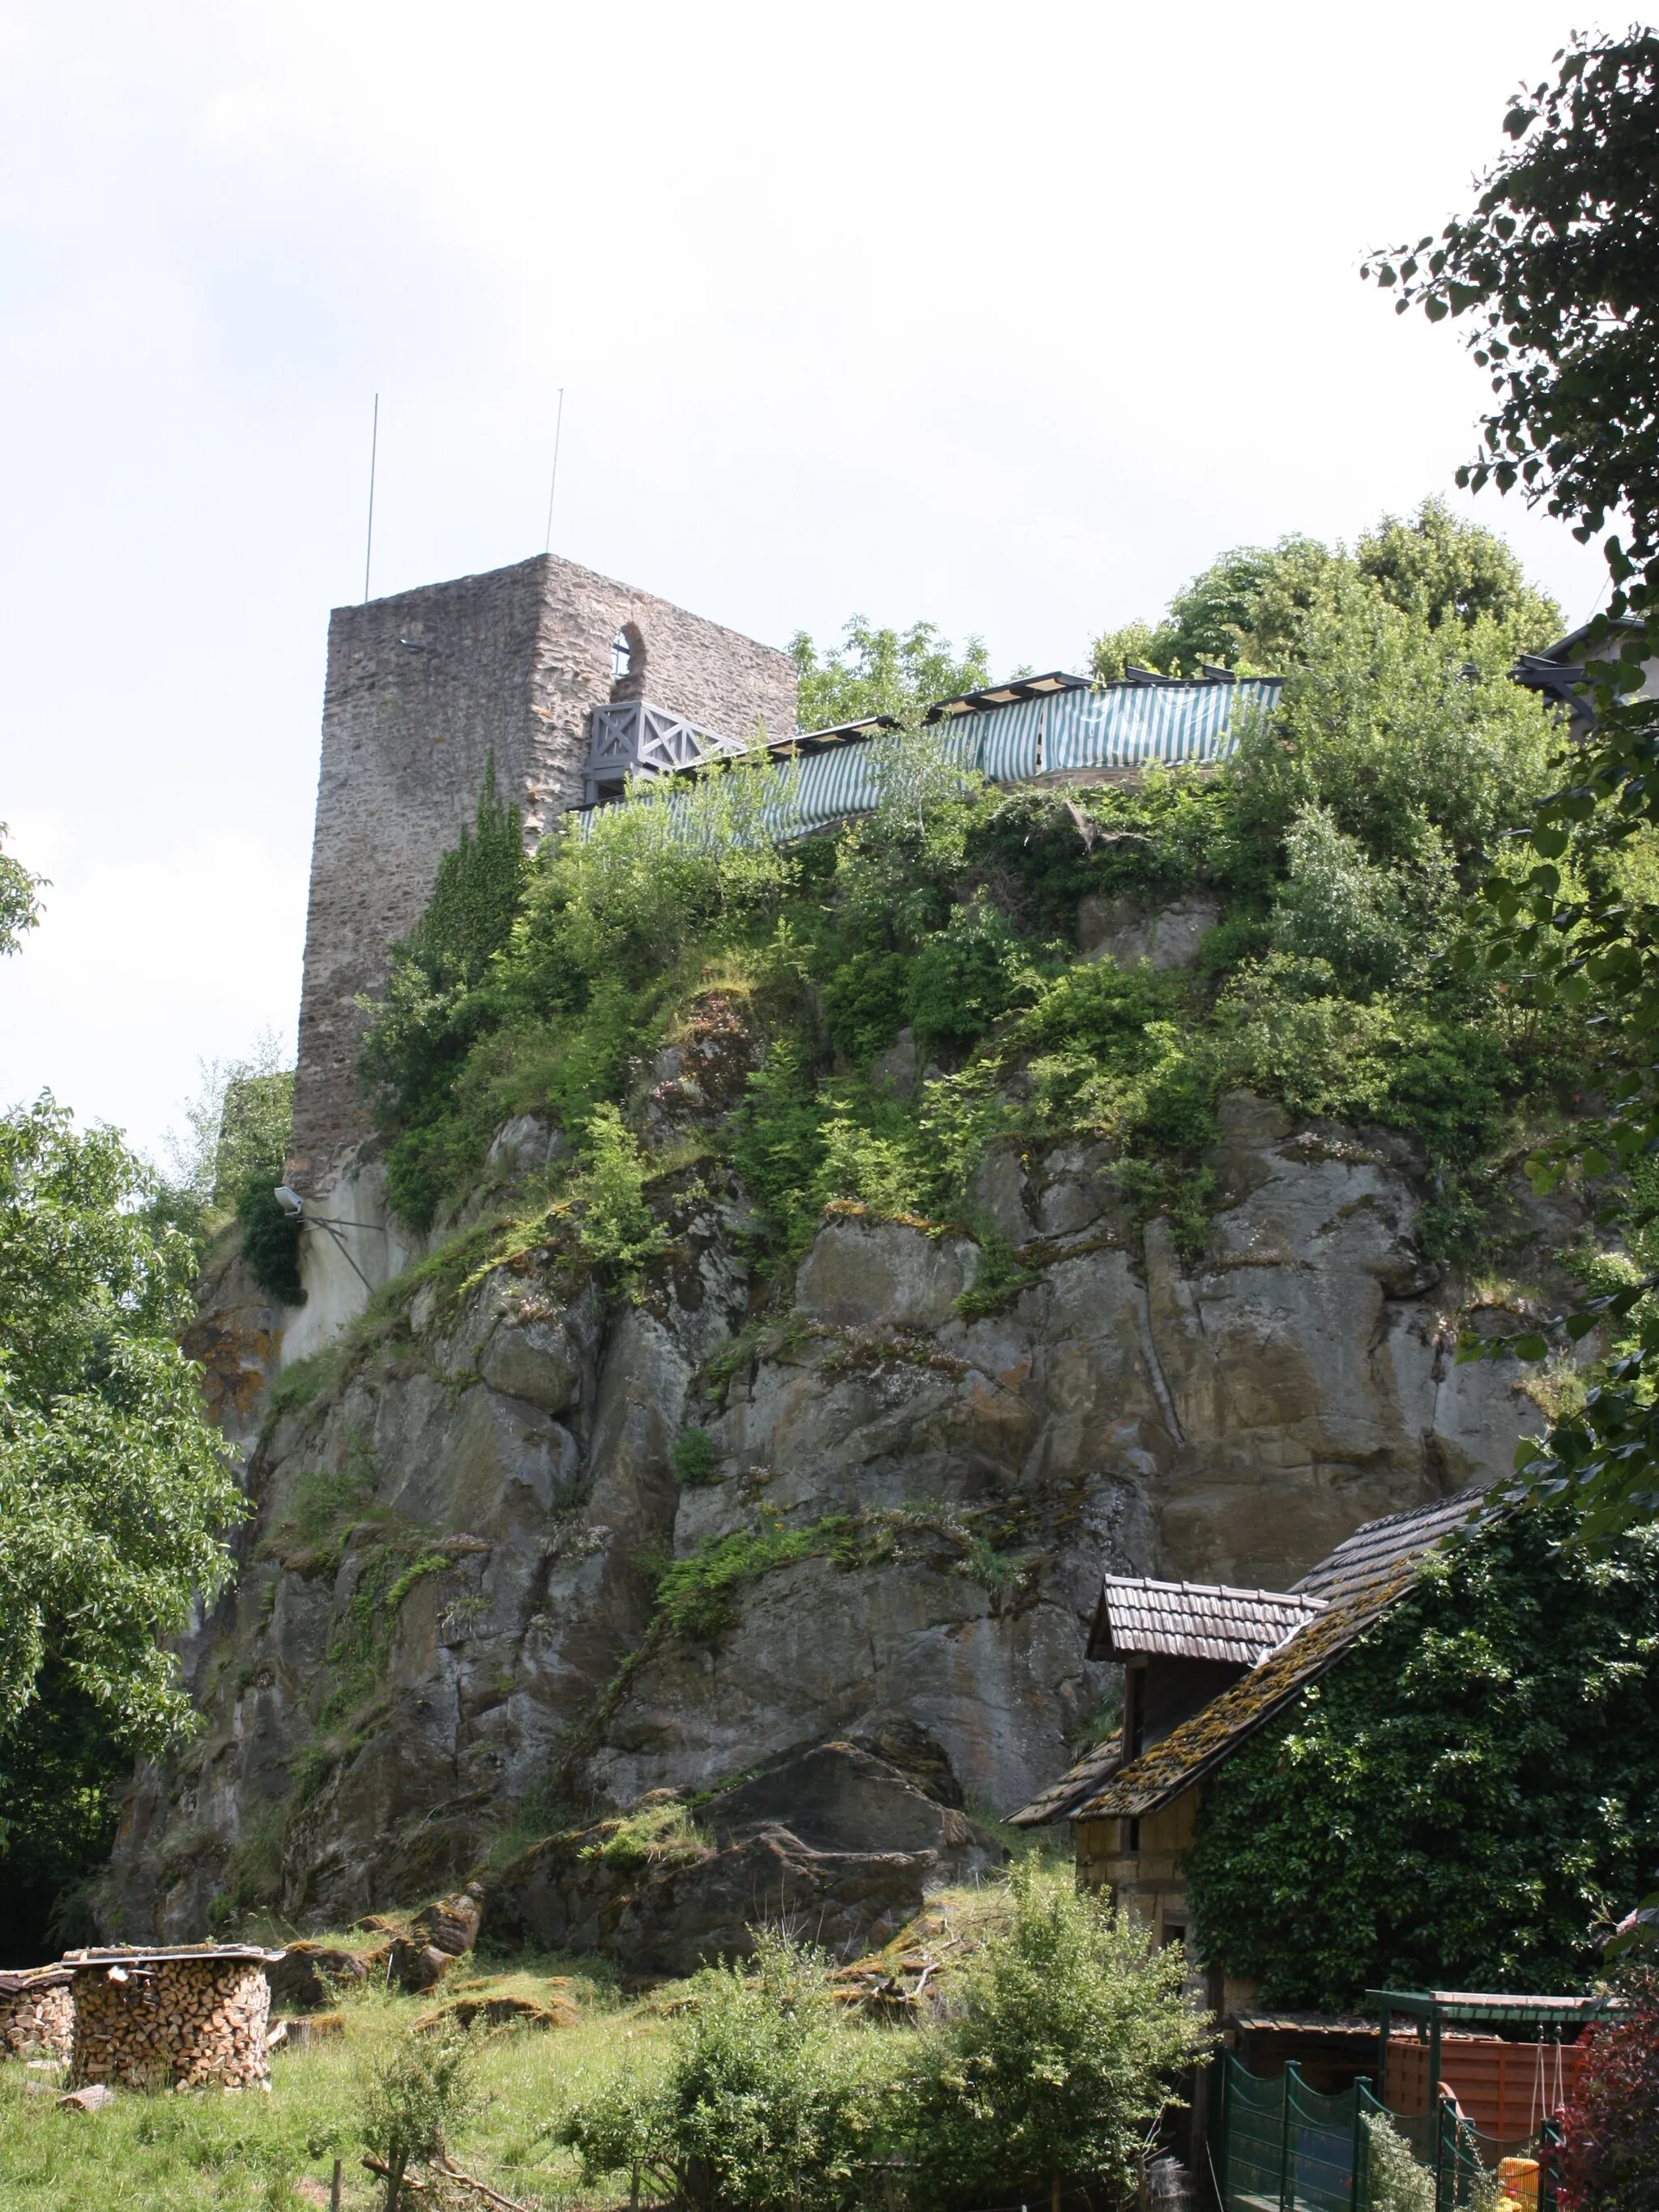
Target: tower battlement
{"type": "Point", "coordinates": [422, 688]}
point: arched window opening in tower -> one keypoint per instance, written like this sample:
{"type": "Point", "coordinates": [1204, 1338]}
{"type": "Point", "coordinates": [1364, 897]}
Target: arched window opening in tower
{"type": "Point", "coordinates": [628, 663]}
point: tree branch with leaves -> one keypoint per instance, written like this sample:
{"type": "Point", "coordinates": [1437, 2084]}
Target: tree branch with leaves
{"type": "Point", "coordinates": [1556, 268]}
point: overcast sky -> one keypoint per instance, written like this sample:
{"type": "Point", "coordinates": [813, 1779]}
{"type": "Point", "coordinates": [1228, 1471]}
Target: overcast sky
{"type": "Point", "coordinates": [1006, 317]}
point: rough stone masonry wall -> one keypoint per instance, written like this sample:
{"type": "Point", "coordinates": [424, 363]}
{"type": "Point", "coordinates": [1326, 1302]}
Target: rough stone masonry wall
{"type": "Point", "coordinates": [40, 2016]}
{"type": "Point", "coordinates": [183, 2023]}
{"type": "Point", "coordinates": [421, 689]}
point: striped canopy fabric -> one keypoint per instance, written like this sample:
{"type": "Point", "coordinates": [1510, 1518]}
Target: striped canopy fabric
{"type": "Point", "coordinates": [1108, 725]}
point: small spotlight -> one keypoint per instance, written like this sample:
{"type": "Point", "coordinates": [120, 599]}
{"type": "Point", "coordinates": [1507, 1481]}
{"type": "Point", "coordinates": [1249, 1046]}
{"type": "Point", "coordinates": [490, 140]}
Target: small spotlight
{"type": "Point", "coordinates": [289, 1200]}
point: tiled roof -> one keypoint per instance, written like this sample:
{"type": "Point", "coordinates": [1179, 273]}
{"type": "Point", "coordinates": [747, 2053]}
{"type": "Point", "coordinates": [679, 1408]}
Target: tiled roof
{"type": "Point", "coordinates": [1095, 1768]}
{"type": "Point", "coordinates": [1194, 1620]}
{"type": "Point", "coordinates": [1373, 1549]}
{"type": "Point", "coordinates": [1360, 1580]}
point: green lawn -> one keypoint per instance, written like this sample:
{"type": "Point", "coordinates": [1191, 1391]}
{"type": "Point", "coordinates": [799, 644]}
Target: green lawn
{"type": "Point", "coordinates": [162, 2154]}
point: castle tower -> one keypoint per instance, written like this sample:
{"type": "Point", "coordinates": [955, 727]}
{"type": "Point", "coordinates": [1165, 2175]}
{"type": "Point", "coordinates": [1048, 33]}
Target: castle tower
{"type": "Point", "coordinates": [421, 690]}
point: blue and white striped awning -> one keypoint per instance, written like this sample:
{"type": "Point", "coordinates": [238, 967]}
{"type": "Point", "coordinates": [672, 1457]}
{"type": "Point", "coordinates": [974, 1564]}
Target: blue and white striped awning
{"type": "Point", "coordinates": [1106, 726]}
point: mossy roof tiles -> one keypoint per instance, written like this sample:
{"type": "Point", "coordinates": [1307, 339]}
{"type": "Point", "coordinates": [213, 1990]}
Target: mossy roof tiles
{"type": "Point", "coordinates": [1078, 1781]}
{"type": "Point", "coordinates": [1359, 1581]}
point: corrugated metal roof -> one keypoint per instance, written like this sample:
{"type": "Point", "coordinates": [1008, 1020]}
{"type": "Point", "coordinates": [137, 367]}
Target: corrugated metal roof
{"type": "Point", "coordinates": [1360, 1580]}
{"type": "Point", "coordinates": [1136, 1617]}
{"type": "Point", "coordinates": [1078, 1781]}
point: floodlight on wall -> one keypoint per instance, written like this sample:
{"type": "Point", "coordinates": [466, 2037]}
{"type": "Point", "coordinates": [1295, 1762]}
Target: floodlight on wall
{"type": "Point", "coordinates": [290, 1200]}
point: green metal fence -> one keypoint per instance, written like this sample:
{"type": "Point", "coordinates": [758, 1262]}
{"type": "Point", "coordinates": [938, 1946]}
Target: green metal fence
{"type": "Point", "coordinates": [1286, 2148]}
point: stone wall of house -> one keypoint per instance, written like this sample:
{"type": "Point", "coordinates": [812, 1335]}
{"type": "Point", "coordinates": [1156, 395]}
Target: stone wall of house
{"type": "Point", "coordinates": [423, 688]}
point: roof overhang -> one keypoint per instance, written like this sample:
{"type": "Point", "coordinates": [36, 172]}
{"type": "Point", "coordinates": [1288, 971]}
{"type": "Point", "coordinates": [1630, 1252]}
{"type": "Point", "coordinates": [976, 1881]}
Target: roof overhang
{"type": "Point", "coordinates": [1008, 695]}
{"type": "Point", "coordinates": [1138, 1617]}
{"type": "Point", "coordinates": [1488, 2008]}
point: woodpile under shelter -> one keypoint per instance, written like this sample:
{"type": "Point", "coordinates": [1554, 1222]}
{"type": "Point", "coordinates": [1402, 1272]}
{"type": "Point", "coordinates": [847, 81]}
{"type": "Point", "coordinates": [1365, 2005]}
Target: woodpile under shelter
{"type": "Point", "coordinates": [192, 2017]}
{"type": "Point", "coordinates": [37, 2013]}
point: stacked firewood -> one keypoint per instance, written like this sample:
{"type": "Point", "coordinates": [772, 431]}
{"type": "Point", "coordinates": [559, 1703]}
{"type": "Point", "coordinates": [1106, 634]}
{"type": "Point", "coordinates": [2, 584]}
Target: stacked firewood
{"type": "Point", "coordinates": [172, 2019]}
{"type": "Point", "coordinates": [37, 2014]}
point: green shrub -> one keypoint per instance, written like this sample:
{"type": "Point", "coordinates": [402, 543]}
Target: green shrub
{"type": "Point", "coordinates": [1339, 905]}
{"type": "Point", "coordinates": [767, 2101]}
{"type": "Point", "coordinates": [1394, 2181]}
{"type": "Point", "coordinates": [696, 1595]}
{"type": "Point", "coordinates": [1062, 2043]}
{"type": "Point", "coordinates": [614, 1225]}
{"type": "Point", "coordinates": [694, 1458]}
{"type": "Point", "coordinates": [270, 1237]}
{"type": "Point", "coordinates": [777, 1144]}
{"type": "Point", "coordinates": [864, 1003]}
{"type": "Point", "coordinates": [653, 1835]}
{"type": "Point", "coordinates": [418, 2099]}
{"type": "Point", "coordinates": [858, 1163]}
{"type": "Point", "coordinates": [964, 977]}
{"type": "Point", "coordinates": [1000, 1281]}
{"type": "Point", "coordinates": [1045, 851]}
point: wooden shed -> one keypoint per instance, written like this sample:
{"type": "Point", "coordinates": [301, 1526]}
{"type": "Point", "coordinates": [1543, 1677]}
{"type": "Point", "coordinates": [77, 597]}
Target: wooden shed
{"type": "Point", "coordinates": [194, 2016]}
{"type": "Point", "coordinates": [1133, 1834]}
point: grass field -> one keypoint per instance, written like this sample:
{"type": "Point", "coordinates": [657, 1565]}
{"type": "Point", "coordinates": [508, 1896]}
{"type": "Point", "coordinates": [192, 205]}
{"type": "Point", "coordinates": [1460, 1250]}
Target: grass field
{"type": "Point", "coordinates": [186, 2154]}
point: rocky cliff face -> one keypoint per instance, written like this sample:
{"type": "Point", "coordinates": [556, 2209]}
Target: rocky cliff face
{"type": "Point", "coordinates": [450, 1623]}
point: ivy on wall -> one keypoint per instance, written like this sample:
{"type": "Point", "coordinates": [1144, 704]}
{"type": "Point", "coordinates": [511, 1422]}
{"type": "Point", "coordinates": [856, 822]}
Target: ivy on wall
{"type": "Point", "coordinates": [1469, 1800]}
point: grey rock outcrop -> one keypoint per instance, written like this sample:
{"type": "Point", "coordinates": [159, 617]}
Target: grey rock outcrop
{"type": "Point", "coordinates": [447, 1609]}
{"type": "Point", "coordinates": [1118, 929]}
{"type": "Point", "coordinates": [672, 1918]}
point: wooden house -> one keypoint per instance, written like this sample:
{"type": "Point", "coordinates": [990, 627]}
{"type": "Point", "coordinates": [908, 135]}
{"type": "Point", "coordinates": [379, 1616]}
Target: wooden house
{"type": "Point", "coordinates": [1205, 1668]}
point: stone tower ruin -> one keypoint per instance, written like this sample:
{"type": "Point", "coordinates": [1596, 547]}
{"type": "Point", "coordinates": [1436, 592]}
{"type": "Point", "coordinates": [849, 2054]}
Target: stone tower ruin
{"type": "Point", "coordinates": [422, 688]}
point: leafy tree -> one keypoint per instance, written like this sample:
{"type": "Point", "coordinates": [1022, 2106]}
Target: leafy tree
{"type": "Point", "coordinates": [1246, 610]}
{"type": "Point", "coordinates": [1554, 266]}
{"type": "Point", "coordinates": [1060, 2051]}
{"type": "Point", "coordinates": [229, 1160]}
{"type": "Point", "coordinates": [20, 905]}
{"type": "Point", "coordinates": [1254, 608]}
{"type": "Point", "coordinates": [114, 1492]}
{"type": "Point", "coordinates": [1468, 1796]}
{"type": "Point", "coordinates": [63, 1772]}
{"type": "Point", "coordinates": [882, 671]}
{"type": "Point", "coordinates": [1450, 571]}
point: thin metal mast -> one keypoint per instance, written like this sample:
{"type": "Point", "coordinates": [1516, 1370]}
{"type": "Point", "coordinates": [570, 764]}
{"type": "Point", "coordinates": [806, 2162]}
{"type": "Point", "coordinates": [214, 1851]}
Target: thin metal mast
{"type": "Point", "coordinates": [373, 453]}
{"type": "Point", "coordinates": [558, 426]}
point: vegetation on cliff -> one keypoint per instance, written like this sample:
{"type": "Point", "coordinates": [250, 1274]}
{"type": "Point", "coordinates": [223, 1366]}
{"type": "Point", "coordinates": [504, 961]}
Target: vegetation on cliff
{"type": "Point", "coordinates": [1334, 849]}
{"type": "Point", "coordinates": [1470, 1798]}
